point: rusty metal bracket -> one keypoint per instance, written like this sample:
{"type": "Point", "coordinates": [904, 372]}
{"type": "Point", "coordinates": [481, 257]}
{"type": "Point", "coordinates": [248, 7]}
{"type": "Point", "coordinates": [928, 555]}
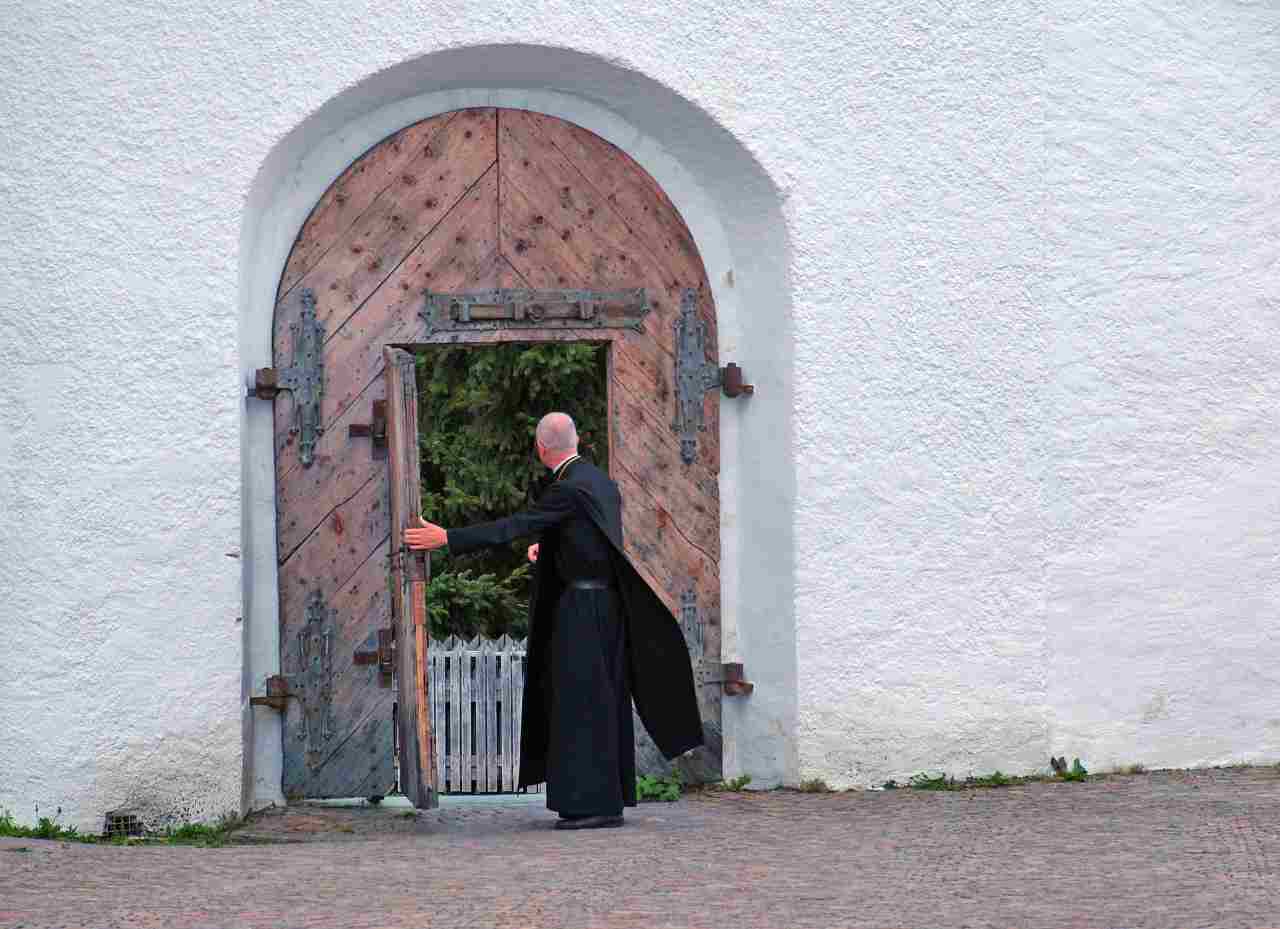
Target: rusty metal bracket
{"type": "Point", "coordinates": [735, 682]}
{"type": "Point", "coordinates": [277, 694]}
{"type": "Point", "coordinates": [304, 379]}
{"type": "Point", "coordinates": [375, 429]}
{"type": "Point", "coordinates": [507, 308]}
{"type": "Point", "coordinates": [384, 656]}
{"type": "Point", "coordinates": [733, 679]}
{"type": "Point", "coordinates": [691, 627]}
{"type": "Point", "coordinates": [731, 382]}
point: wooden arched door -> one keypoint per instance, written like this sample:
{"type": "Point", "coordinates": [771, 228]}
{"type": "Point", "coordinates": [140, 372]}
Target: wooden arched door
{"type": "Point", "coordinates": [473, 200]}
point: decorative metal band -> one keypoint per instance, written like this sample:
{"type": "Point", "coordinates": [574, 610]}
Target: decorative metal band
{"type": "Point", "coordinates": [314, 681]}
{"type": "Point", "coordinates": [305, 379]}
{"type": "Point", "coordinates": [691, 625]}
{"type": "Point", "coordinates": [694, 375]}
{"type": "Point", "coordinates": [536, 309]}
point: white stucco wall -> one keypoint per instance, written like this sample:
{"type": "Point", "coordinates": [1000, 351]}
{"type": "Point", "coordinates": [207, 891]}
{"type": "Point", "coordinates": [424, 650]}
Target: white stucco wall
{"type": "Point", "coordinates": [1039, 494]}
{"type": "Point", "coordinates": [1025, 260]}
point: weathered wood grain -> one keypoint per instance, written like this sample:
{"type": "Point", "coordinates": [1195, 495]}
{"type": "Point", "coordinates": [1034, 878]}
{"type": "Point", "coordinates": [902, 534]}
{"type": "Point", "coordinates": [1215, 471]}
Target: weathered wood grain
{"type": "Point", "coordinates": [352, 193]}
{"type": "Point", "coordinates": [459, 253]}
{"type": "Point", "coordinates": [338, 546]}
{"type": "Point", "coordinates": [558, 208]}
{"type": "Point", "coordinates": [393, 249]}
{"type": "Point", "coordinates": [358, 761]}
{"type": "Point", "coordinates": [408, 577]}
{"type": "Point", "coordinates": [426, 190]}
{"type": "Point", "coordinates": [629, 190]}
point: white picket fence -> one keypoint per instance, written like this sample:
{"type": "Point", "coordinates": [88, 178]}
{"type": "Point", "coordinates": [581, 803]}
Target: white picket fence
{"type": "Point", "coordinates": [476, 690]}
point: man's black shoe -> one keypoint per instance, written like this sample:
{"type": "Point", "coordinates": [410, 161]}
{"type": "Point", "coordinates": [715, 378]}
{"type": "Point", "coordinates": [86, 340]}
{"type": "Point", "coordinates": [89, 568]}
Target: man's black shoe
{"type": "Point", "coordinates": [590, 822]}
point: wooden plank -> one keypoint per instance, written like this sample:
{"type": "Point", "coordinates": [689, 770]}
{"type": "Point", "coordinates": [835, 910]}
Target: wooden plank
{"type": "Point", "coordinates": [489, 656]}
{"type": "Point", "coordinates": [336, 548]}
{"type": "Point", "coordinates": [359, 756]}
{"type": "Point", "coordinates": [478, 697]}
{"type": "Point", "coordinates": [516, 704]}
{"type": "Point", "coordinates": [455, 722]}
{"type": "Point", "coordinates": [437, 708]}
{"type": "Point", "coordinates": [558, 230]}
{"type": "Point", "coordinates": [629, 191]}
{"type": "Point", "coordinates": [426, 747]}
{"type": "Point", "coordinates": [408, 573]}
{"type": "Point", "coordinates": [352, 193]}
{"type": "Point", "coordinates": [468, 718]}
{"type": "Point", "coordinates": [424, 192]}
{"type": "Point", "coordinates": [460, 253]}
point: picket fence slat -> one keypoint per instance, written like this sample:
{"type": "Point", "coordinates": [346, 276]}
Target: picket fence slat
{"type": "Point", "coordinates": [476, 690]}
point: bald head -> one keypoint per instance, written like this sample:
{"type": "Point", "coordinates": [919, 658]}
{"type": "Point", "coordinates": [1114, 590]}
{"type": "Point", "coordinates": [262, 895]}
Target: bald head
{"type": "Point", "coordinates": [558, 434]}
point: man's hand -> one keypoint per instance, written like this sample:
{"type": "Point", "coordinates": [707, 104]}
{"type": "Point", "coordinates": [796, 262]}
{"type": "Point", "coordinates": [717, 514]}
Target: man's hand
{"type": "Point", "coordinates": [428, 536]}
{"type": "Point", "coordinates": [533, 552]}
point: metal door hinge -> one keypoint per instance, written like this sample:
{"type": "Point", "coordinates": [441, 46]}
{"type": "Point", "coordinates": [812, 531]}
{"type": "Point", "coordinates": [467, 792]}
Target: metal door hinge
{"type": "Point", "coordinates": [277, 694]}
{"type": "Point", "coordinates": [731, 382]}
{"type": "Point", "coordinates": [695, 376]}
{"type": "Point", "coordinates": [304, 379]}
{"type": "Point", "coordinates": [735, 682]}
{"type": "Point", "coordinates": [732, 678]}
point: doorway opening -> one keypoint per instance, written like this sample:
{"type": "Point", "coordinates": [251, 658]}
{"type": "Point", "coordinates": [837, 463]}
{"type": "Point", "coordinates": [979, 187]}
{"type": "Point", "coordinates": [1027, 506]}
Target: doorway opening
{"type": "Point", "coordinates": [478, 407]}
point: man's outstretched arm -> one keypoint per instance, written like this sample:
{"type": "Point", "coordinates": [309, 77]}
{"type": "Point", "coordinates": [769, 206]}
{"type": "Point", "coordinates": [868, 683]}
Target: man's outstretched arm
{"type": "Point", "coordinates": [552, 507]}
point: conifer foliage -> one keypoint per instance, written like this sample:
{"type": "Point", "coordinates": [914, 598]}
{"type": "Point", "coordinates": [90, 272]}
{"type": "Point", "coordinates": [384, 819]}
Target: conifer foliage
{"type": "Point", "coordinates": [477, 410]}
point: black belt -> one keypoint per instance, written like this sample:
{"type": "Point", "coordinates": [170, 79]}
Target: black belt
{"type": "Point", "coordinates": [589, 584]}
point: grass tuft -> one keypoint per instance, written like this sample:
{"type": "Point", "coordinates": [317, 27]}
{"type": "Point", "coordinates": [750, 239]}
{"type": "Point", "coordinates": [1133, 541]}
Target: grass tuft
{"type": "Point", "coordinates": [814, 786]}
{"type": "Point", "coordinates": [186, 834]}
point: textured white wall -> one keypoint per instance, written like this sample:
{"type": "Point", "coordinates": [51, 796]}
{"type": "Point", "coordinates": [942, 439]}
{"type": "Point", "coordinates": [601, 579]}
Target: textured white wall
{"type": "Point", "coordinates": [1032, 279]}
{"type": "Point", "coordinates": [1162, 463]}
{"type": "Point", "coordinates": [1039, 489]}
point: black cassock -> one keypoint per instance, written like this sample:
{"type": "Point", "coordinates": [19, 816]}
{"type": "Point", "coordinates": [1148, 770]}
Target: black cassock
{"type": "Point", "coordinates": [592, 651]}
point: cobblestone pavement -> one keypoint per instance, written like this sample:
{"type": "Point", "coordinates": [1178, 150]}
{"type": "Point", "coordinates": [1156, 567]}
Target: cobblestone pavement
{"type": "Point", "coordinates": [1169, 849]}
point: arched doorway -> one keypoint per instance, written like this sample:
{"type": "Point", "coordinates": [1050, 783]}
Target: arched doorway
{"type": "Point", "coordinates": [496, 200]}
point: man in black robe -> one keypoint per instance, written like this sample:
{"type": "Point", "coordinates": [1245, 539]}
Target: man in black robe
{"type": "Point", "coordinates": [598, 638]}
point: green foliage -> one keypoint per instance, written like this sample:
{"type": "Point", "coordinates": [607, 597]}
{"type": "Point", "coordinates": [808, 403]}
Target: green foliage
{"type": "Point", "coordinates": [733, 785]}
{"type": "Point", "coordinates": [1076, 773]}
{"type": "Point", "coordinates": [925, 781]}
{"type": "Point", "coordinates": [462, 604]}
{"type": "Point", "coordinates": [199, 834]}
{"type": "Point", "coordinates": [477, 411]}
{"type": "Point", "coordinates": [185, 834]}
{"type": "Point", "coordinates": [664, 789]}
{"type": "Point", "coordinates": [814, 786]}
{"type": "Point", "coordinates": [990, 780]}
{"type": "Point", "coordinates": [45, 828]}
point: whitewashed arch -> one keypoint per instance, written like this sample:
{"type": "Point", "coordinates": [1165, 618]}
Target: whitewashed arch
{"type": "Point", "coordinates": [734, 211]}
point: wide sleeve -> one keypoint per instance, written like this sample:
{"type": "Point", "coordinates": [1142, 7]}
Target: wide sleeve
{"type": "Point", "coordinates": [553, 507]}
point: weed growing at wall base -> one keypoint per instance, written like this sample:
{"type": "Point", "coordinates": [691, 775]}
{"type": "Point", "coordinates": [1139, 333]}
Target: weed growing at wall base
{"type": "Point", "coordinates": [186, 834]}
{"type": "Point", "coordinates": [664, 789]}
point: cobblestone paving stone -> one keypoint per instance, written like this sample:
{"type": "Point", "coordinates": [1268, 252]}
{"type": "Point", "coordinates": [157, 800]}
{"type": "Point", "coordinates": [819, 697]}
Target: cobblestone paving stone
{"type": "Point", "coordinates": [1169, 849]}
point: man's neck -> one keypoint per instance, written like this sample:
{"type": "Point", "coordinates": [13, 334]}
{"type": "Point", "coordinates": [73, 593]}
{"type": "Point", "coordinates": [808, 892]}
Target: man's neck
{"type": "Point", "coordinates": [559, 465]}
